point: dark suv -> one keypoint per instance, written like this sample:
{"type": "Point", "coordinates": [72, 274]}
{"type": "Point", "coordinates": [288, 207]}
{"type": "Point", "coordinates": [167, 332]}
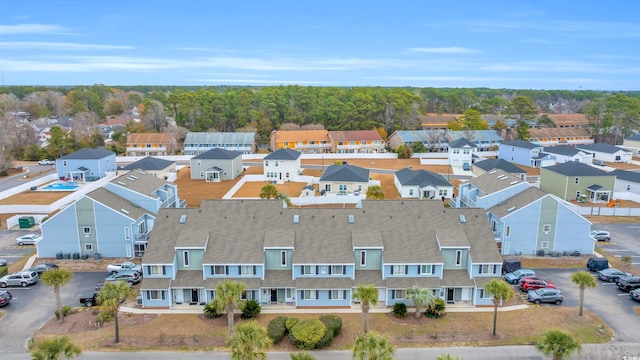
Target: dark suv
{"type": "Point", "coordinates": [628, 283]}
{"type": "Point", "coordinates": [130, 276]}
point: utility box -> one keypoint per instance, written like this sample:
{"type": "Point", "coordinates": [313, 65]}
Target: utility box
{"type": "Point", "coordinates": [26, 222]}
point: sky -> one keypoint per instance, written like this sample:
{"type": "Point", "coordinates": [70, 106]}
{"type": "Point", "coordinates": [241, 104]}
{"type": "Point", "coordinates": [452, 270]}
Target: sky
{"type": "Point", "coordinates": [571, 44]}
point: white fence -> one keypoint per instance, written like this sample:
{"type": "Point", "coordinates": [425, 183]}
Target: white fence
{"type": "Point", "coordinates": [606, 211]}
{"type": "Point", "coordinates": [28, 185]}
{"type": "Point", "coordinates": [15, 220]}
{"type": "Point", "coordinates": [248, 157]}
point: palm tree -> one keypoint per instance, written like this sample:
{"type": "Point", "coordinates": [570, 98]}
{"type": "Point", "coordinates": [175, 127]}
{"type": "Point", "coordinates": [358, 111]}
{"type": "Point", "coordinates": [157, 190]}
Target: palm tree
{"type": "Point", "coordinates": [301, 356]}
{"type": "Point", "coordinates": [500, 290]}
{"type": "Point", "coordinates": [57, 278]}
{"type": "Point", "coordinates": [584, 280]}
{"type": "Point", "coordinates": [249, 342]}
{"type": "Point", "coordinates": [268, 192]}
{"type": "Point", "coordinates": [55, 348]}
{"type": "Point", "coordinates": [110, 296]}
{"type": "Point", "coordinates": [229, 294]}
{"type": "Point", "coordinates": [375, 192]}
{"type": "Point", "coordinates": [372, 346]}
{"type": "Point", "coordinates": [421, 297]}
{"type": "Point", "coordinates": [559, 344]}
{"type": "Point", "coordinates": [367, 294]}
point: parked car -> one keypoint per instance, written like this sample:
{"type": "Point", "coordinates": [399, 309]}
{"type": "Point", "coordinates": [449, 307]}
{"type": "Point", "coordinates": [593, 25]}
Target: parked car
{"type": "Point", "coordinates": [611, 274]}
{"type": "Point", "coordinates": [545, 295]}
{"type": "Point", "coordinates": [511, 265]}
{"type": "Point", "coordinates": [22, 278]}
{"type": "Point", "coordinates": [530, 284]}
{"type": "Point", "coordinates": [522, 280]}
{"type": "Point", "coordinates": [5, 298]}
{"type": "Point", "coordinates": [635, 294]}
{"type": "Point", "coordinates": [600, 235]}
{"type": "Point", "coordinates": [3, 262]}
{"type": "Point", "coordinates": [127, 265]}
{"type": "Point", "coordinates": [599, 163]}
{"type": "Point", "coordinates": [597, 264]}
{"type": "Point", "coordinates": [88, 299]}
{"type": "Point", "coordinates": [628, 283]}
{"type": "Point", "coordinates": [466, 167]}
{"type": "Point", "coordinates": [29, 239]}
{"type": "Point", "coordinates": [42, 268]}
{"type": "Point", "coordinates": [514, 277]}
{"type": "Point", "coordinates": [131, 276]}
{"type": "Point", "coordinates": [46, 162]}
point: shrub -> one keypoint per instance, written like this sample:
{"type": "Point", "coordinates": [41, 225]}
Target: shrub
{"type": "Point", "coordinates": [306, 334]}
{"type": "Point", "coordinates": [333, 323]}
{"type": "Point", "coordinates": [277, 328]}
{"type": "Point", "coordinates": [4, 270]}
{"type": "Point", "coordinates": [301, 356]}
{"type": "Point", "coordinates": [436, 310]}
{"type": "Point", "coordinates": [251, 309]}
{"type": "Point", "coordinates": [4, 173]}
{"type": "Point", "coordinates": [212, 310]}
{"type": "Point", "coordinates": [65, 311]}
{"type": "Point", "coordinates": [326, 339]}
{"type": "Point", "coordinates": [291, 322]}
{"type": "Point", "coordinates": [103, 316]}
{"type": "Point", "coordinates": [399, 310]}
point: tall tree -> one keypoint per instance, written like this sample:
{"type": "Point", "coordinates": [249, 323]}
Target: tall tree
{"type": "Point", "coordinates": [584, 280]}
{"type": "Point", "coordinates": [500, 291]}
{"type": "Point", "coordinates": [523, 110]}
{"type": "Point", "coordinates": [268, 191]}
{"type": "Point", "coordinates": [471, 120]}
{"type": "Point", "coordinates": [375, 192]}
{"type": "Point", "coordinates": [57, 278]}
{"type": "Point", "coordinates": [110, 296]}
{"type": "Point", "coordinates": [229, 294]}
{"type": "Point", "coordinates": [598, 123]}
{"type": "Point", "coordinates": [372, 346]}
{"type": "Point", "coordinates": [249, 342]}
{"type": "Point", "coordinates": [558, 344]}
{"type": "Point", "coordinates": [421, 297]}
{"type": "Point", "coordinates": [55, 348]}
{"type": "Point", "coordinates": [367, 295]}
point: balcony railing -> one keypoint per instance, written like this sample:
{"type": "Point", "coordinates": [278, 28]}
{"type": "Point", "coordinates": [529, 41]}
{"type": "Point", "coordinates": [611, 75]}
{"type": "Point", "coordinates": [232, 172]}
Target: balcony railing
{"type": "Point", "coordinates": [142, 237]}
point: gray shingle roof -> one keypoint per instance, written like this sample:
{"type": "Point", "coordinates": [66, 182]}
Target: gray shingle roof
{"type": "Point", "coordinates": [601, 147]}
{"type": "Point", "coordinates": [561, 150]}
{"type": "Point", "coordinates": [461, 143]}
{"type": "Point", "coordinates": [345, 172]}
{"type": "Point", "coordinates": [283, 154]}
{"type": "Point", "coordinates": [517, 202]}
{"type": "Point", "coordinates": [626, 175]}
{"type": "Point", "coordinates": [218, 154]}
{"type": "Point", "coordinates": [574, 168]}
{"type": "Point", "coordinates": [521, 144]}
{"type": "Point", "coordinates": [219, 138]}
{"type": "Point", "coordinates": [149, 163]}
{"type": "Point", "coordinates": [278, 279]}
{"type": "Point", "coordinates": [139, 181]}
{"type": "Point", "coordinates": [407, 282]}
{"type": "Point", "coordinates": [494, 181]}
{"type": "Point", "coordinates": [117, 203]}
{"type": "Point", "coordinates": [490, 164]}
{"type": "Point", "coordinates": [155, 284]}
{"type": "Point", "coordinates": [421, 178]}
{"type": "Point", "coordinates": [87, 153]}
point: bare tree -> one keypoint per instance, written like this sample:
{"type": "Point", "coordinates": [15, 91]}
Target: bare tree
{"type": "Point", "coordinates": [154, 118]}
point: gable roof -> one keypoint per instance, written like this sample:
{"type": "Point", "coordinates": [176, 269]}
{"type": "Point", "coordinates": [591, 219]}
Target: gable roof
{"type": "Point", "coordinates": [283, 154]}
{"type": "Point", "coordinates": [602, 147]}
{"type": "Point", "coordinates": [89, 154]}
{"type": "Point", "coordinates": [561, 150]}
{"type": "Point", "coordinates": [575, 168]}
{"type": "Point", "coordinates": [149, 163]}
{"type": "Point", "coordinates": [494, 181]}
{"type": "Point", "coordinates": [521, 144]}
{"type": "Point", "coordinates": [302, 135]}
{"type": "Point", "coordinates": [425, 136]}
{"type": "Point", "coordinates": [421, 178]}
{"type": "Point", "coordinates": [558, 133]}
{"type": "Point", "coordinates": [345, 172]}
{"type": "Point", "coordinates": [490, 164]}
{"type": "Point", "coordinates": [150, 138]}
{"type": "Point", "coordinates": [517, 202]}
{"type": "Point", "coordinates": [119, 204]}
{"type": "Point", "coordinates": [561, 119]}
{"type": "Point", "coordinates": [634, 137]}
{"type": "Point", "coordinates": [219, 138]}
{"type": "Point", "coordinates": [475, 135]}
{"type": "Point", "coordinates": [139, 181]}
{"type": "Point", "coordinates": [461, 143]}
{"type": "Point", "coordinates": [218, 154]}
{"type": "Point", "coordinates": [631, 176]}
{"type": "Point", "coordinates": [355, 135]}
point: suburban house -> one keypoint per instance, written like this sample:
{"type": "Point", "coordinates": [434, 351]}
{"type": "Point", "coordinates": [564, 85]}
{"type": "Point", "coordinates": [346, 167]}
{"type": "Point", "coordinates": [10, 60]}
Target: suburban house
{"type": "Point", "coordinates": [485, 165]}
{"type": "Point", "coordinates": [304, 141]}
{"type": "Point", "coordinates": [356, 141]}
{"type": "Point", "coordinates": [569, 120]}
{"type": "Point", "coordinates": [344, 179]}
{"type": "Point", "coordinates": [281, 165]}
{"type": "Point", "coordinates": [564, 153]}
{"type": "Point", "coordinates": [524, 153]}
{"type": "Point", "coordinates": [607, 152]}
{"type": "Point", "coordinates": [577, 181]}
{"type": "Point", "coordinates": [111, 221]}
{"type": "Point", "coordinates": [559, 136]}
{"type": "Point", "coordinates": [433, 140]}
{"type": "Point", "coordinates": [489, 189]}
{"type": "Point", "coordinates": [485, 140]}
{"type": "Point", "coordinates": [437, 122]}
{"type": "Point", "coordinates": [632, 143]}
{"type": "Point", "coordinates": [422, 184]}
{"type": "Point", "coordinates": [196, 143]}
{"type": "Point", "coordinates": [461, 152]}
{"type": "Point", "coordinates": [161, 168]}
{"type": "Point", "coordinates": [627, 185]}
{"type": "Point", "coordinates": [154, 144]}
{"type": "Point", "coordinates": [86, 164]}
{"type": "Point", "coordinates": [278, 257]}
{"type": "Point", "coordinates": [491, 120]}
{"type": "Point", "coordinates": [216, 165]}
{"type": "Point", "coordinates": [534, 222]}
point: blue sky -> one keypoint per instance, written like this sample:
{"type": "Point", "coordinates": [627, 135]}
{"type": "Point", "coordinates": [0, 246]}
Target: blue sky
{"type": "Point", "coordinates": [497, 44]}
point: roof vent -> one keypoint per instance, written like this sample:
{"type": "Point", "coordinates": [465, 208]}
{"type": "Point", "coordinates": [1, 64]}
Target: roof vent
{"type": "Point", "coordinates": [502, 177]}
{"type": "Point", "coordinates": [462, 218]}
{"type": "Point", "coordinates": [352, 219]}
{"type": "Point", "coordinates": [183, 219]}
{"type": "Point", "coordinates": [492, 172]}
{"type": "Point", "coordinates": [513, 182]}
{"type": "Point", "coordinates": [124, 211]}
{"type": "Point", "coordinates": [142, 172]}
{"type": "Point", "coordinates": [511, 209]}
{"type": "Point", "coordinates": [296, 219]}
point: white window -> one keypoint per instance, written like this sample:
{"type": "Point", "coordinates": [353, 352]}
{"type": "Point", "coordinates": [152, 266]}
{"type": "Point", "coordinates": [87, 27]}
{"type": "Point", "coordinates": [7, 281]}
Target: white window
{"type": "Point", "coordinates": [198, 162]}
{"type": "Point", "coordinates": [127, 234]}
{"type": "Point", "coordinates": [220, 270]}
{"type": "Point", "coordinates": [465, 151]}
{"type": "Point", "coordinates": [185, 257]}
{"type": "Point", "coordinates": [201, 173]}
{"type": "Point", "coordinates": [363, 258]}
{"type": "Point", "coordinates": [399, 269]}
{"type": "Point", "coordinates": [247, 270]}
{"type": "Point", "coordinates": [442, 192]}
{"type": "Point", "coordinates": [410, 192]}
{"type": "Point", "coordinates": [142, 228]}
{"type": "Point", "coordinates": [283, 258]}
{"type": "Point", "coordinates": [322, 270]}
{"type": "Point", "coordinates": [266, 163]}
{"type": "Point", "coordinates": [426, 269]}
{"type": "Point", "coordinates": [337, 270]}
{"type": "Point", "coordinates": [86, 230]}
{"type": "Point", "coordinates": [64, 163]}
{"type": "Point", "coordinates": [155, 295]}
{"type": "Point", "coordinates": [308, 270]}
{"type": "Point", "coordinates": [628, 187]}
{"type": "Point", "coordinates": [485, 295]}
{"type": "Point", "coordinates": [576, 180]}
{"type": "Point", "coordinates": [156, 270]}
{"type": "Point", "coordinates": [336, 294]}
{"type": "Point", "coordinates": [507, 232]}
{"type": "Point", "coordinates": [309, 295]}
{"type": "Point", "coordinates": [458, 257]}
{"type": "Point", "coordinates": [456, 151]}
{"type": "Point", "coordinates": [342, 187]}
{"type": "Point", "coordinates": [487, 269]}
{"type": "Point", "coordinates": [544, 245]}
{"type": "Point", "coordinates": [88, 247]}
{"type": "Point", "coordinates": [546, 228]}
{"type": "Point", "coordinates": [398, 294]}
{"type": "Point", "coordinates": [276, 163]}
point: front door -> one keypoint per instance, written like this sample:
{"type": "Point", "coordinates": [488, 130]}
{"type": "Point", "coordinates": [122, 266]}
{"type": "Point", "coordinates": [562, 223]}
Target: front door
{"type": "Point", "coordinates": [450, 294]}
{"type": "Point", "coordinates": [194, 296]}
{"type": "Point", "coordinates": [274, 296]}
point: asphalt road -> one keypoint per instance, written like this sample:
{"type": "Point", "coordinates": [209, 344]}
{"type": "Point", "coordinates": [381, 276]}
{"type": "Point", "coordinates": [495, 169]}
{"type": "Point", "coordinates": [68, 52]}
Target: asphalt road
{"type": "Point", "coordinates": [8, 183]}
{"type": "Point", "coordinates": [11, 251]}
{"type": "Point", "coordinates": [624, 241]}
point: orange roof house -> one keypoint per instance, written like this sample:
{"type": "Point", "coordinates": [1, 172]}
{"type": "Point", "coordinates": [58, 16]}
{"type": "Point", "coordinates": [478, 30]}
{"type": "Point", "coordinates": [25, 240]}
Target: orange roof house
{"type": "Point", "coordinates": [569, 120]}
{"type": "Point", "coordinates": [153, 144]}
{"type": "Point", "coordinates": [305, 141]}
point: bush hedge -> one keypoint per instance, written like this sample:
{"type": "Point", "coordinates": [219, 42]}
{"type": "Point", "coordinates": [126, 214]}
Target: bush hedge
{"type": "Point", "coordinates": [65, 311]}
{"type": "Point", "coordinates": [307, 334]}
{"type": "Point", "coordinates": [400, 310]}
{"type": "Point", "coordinates": [251, 309]}
{"type": "Point", "coordinates": [277, 329]}
{"type": "Point", "coordinates": [4, 270]}
{"type": "Point", "coordinates": [436, 310]}
{"type": "Point", "coordinates": [291, 322]}
{"type": "Point", "coordinates": [333, 323]}
{"type": "Point", "coordinates": [212, 310]}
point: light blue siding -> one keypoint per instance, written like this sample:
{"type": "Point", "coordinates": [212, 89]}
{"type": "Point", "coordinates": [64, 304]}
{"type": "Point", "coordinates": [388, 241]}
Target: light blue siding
{"type": "Point", "coordinates": [297, 272]}
{"type": "Point", "coordinates": [97, 167]}
{"type": "Point", "coordinates": [195, 259]}
{"type": "Point", "coordinates": [272, 259]}
{"type": "Point", "coordinates": [163, 301]}
{"type": "Point", "coordinates": [480, 300]}
{"type": "Point", "coordinates": [516, 155]}
{"type": "Point", "coordinates": [412, 271]}
{"type": "Point", "coordinates": [56, 235]}
{"type": "Point", "coordinates": [323, 299]}
{"type": "Point", "coordinates": [373, 259]}
{"type": "Point", "coordinates": [111, 241]}
{"type": "Point", "coordinates": [524, 230]}
{"type": "Point", "coordinates": [168, 272]}
{"type": "Point", "coordinates": [572, 232]}
{"type": "Point", "coordinates": [233, 271]}
{"type": "Point", "coordinates": [145, 201]}
{"type": "Point", "coordinates": [475, 270]}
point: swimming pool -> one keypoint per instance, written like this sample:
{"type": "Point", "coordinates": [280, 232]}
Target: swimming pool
{"type": "Point", "coordinates": [70, 185]}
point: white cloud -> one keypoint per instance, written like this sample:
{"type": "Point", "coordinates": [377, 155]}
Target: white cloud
{"type": "Point", "coordinates": [58, 46]}
{"type": "Point", "coordinates": [30, 29]}
{"type": "Point", "coordinates": [258, 81]}
{"type": "Point", "coordinates": [445, 50]}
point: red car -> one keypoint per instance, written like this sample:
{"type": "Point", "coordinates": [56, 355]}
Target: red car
{"type": "Point", "coordinates": [526, 278]}
{"type": "Point", "coordinates": [531, 284]}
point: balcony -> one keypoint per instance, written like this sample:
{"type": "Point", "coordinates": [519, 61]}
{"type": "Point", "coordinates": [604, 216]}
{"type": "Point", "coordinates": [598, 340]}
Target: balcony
{"type": "Point", "coordinates": [142, 237]}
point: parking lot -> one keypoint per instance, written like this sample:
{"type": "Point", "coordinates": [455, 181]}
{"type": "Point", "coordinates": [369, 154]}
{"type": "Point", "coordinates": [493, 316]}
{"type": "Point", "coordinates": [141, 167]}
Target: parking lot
{"type": "Point", "coordinates": [11, 251]}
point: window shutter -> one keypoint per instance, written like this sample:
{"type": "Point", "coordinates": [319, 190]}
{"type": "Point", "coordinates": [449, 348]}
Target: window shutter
{"type": "Point", "coordinates": [164, 271]}
{"type": "Point", "coordinates": [391, 269]}
{"type": "Point", "coordinates": [148, 270]}
{"type": "Point", "coordinates": [329, 271]}
{"type": "Point", "coordinates": [479, 269]}
{"type": "Point", "coordinates": [344, 294]}
{"type": "Point", "coordinates": [226, 270]}
{"type": "Point", "coordinates": [302, 270]}
{"type": "Point", "coordinates": [406, 269]}
{"type": "Point", "coordinates": [162, 294]}
{"type": "Point", "coordinates": [317, 294]}
{"type": "Point", "coordinates": [254, 269]}
{"type": "Point", "coordinates": [148, 295]}
{"type": "Point", "coordinates": [344, 270]}
{"type": "Point", "coordinates": [212, 270]}
{"type": "Point", "coordinates": [419, 269]}
{"type": "Point", "coordinates": [239, 270]}
{"type": "Point", "coordinates": [495, 269]}
{"type": "Point", "coordinates": [329, 294]}
{"type": "Point", "coordinates": [317, 270]}
{"type": "Point", "coordinates": [302, 295]}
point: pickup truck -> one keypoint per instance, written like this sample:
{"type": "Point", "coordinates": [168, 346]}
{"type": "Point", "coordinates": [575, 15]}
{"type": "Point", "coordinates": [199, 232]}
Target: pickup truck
{"type": "Point", "coordinates": [46, 162]}
{"type": "Point", "coordinates": [127, 265]}
{"type": "Point", "coordinates": [88, 299]}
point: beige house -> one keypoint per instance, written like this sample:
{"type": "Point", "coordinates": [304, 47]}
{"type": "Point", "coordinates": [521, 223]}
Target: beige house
{"type": "Point", "coordinates": [632, 143]}
{"type": "Point", "coordinates": [344, 180]}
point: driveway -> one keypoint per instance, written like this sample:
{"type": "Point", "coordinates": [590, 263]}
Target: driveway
{"type": "Point", "coordinates": [11, 251]}
{"type": "Point", "coordinates": [33, 306]}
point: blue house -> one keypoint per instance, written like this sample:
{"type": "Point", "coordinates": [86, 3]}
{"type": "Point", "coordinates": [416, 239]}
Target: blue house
{"type": "Point", "coordinates": [86, 164]}
{"type": "Point", "coordinates": [485, 140]}
{"type": "Point", "coordinates": [533, 221]}
{"type": "Point", "coordinates": [316, 257]}
{"type": "Point", "coordinates": [489, 189]}
{"type": "Point", "coordinates": [112, 221]}
{"type": "Point", "coordinates": [524, 153]}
